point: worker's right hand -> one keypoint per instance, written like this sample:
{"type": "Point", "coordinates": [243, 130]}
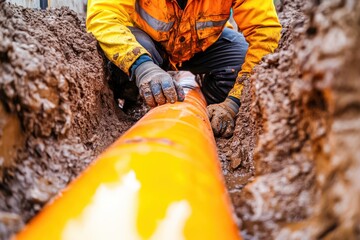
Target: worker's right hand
{"type": "Point", "coordinates": [222, 117]}
{"type": "Point", "coordinates": [156, 86]}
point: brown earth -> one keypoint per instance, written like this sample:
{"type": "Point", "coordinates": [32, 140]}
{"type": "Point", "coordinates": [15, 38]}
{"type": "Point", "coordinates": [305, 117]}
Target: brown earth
{"type": "Point", "coordinates": [297, 132]}
{"type": "Point", "coordinates": [292, 166]}
{"type": "Point", "coordinates": [57, 112]}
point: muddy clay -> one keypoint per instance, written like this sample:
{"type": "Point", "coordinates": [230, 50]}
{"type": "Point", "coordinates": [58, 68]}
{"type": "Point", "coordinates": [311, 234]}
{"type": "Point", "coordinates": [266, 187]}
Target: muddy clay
{"type": "Point", "coordinates": [57, 112]}
{"type": "Point", "coordinates": [292, 167]}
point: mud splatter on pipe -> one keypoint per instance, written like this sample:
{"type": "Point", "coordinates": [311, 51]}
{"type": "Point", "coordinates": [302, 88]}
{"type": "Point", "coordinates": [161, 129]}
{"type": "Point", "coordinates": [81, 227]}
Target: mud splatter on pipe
{"type": "Point", "coordinates": [160, 180]}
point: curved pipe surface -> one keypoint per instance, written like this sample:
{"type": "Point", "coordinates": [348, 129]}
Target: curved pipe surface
{"type": "Point", "coordinates": [161, 180]}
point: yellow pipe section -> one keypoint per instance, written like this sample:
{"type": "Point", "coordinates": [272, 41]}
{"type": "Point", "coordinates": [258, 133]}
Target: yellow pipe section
{"type": "Point", "coordinates": [161, 180]}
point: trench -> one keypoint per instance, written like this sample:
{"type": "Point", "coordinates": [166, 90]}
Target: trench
{"type": "Point", "coordinates": [291, 167]}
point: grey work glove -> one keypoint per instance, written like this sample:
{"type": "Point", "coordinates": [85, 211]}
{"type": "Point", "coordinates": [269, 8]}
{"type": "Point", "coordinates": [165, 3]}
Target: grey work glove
{"type": "Point", "coordinates": [156, 86]}
{"type": "Point", "coordinates": [222, 117]}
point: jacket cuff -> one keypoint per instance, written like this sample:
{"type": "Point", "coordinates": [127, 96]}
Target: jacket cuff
{"type": "Point", "coordinates": [143, 58]}
{"type": "Point", "coordinates": [124, 62]}
{"type": "Point", "coordinates": [235, 100]}
{"type": "Point", "coordinates": [236, 91]}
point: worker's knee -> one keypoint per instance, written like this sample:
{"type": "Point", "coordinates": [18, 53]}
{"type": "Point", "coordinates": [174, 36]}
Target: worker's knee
{"type": "Point", "coordinates": [229, 53]}
{"type": "Point", "coordinates": [218, 83]}
{"type": "Point", "coordinates": [235, 45]}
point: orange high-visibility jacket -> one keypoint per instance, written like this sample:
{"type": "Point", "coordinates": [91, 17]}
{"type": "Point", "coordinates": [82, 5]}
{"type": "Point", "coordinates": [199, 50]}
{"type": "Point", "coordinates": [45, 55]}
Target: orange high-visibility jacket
{"type": "Point", "coordinates": [181, 32]}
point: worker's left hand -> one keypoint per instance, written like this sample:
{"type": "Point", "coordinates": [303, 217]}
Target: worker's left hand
{"type": "Point", "coordinates": [222, 117]}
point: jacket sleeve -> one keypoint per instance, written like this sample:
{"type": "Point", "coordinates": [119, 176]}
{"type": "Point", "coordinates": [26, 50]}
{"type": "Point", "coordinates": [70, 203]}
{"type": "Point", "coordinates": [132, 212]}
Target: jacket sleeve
{"type": "Point", "coordinates": [108, 21]}
{"type": "Point", "coordinates": [259, 23]}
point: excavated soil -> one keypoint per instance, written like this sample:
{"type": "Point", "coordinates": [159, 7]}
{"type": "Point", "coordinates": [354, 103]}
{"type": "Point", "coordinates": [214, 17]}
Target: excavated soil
{"type": "Point", "coordinates": [271, 172]}
{"type": "Point", "coordinates": [292, 167]}
{"type": "Point", "coordinates": [57, 112]}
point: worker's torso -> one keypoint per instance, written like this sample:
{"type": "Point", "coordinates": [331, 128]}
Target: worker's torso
{"type": "Point", "coordinates": [182, 32]}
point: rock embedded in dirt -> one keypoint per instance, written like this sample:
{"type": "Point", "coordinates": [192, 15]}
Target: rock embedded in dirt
{"type": "Point", "coordinates": [9, 126]}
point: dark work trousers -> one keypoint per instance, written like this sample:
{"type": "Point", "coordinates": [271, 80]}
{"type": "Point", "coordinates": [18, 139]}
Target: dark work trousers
{"type": "Point", "coordinates": [218, 65]}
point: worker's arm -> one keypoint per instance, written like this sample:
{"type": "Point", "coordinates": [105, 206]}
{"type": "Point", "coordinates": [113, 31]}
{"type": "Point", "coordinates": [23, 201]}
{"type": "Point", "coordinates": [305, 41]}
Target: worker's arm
{"type": "Point", "coordinates": [258, 21]}
{"type": "Point", "coordinates": [108, 21]}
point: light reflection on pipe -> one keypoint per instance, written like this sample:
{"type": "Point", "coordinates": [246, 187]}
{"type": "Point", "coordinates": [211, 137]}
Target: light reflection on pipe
{"type": "Point", "coordinates": [161, 180]}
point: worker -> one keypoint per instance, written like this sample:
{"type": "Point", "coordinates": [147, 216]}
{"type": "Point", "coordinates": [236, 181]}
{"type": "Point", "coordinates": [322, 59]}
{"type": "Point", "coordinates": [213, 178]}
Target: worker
{"type": "Point", "coordinates": [146, 38]}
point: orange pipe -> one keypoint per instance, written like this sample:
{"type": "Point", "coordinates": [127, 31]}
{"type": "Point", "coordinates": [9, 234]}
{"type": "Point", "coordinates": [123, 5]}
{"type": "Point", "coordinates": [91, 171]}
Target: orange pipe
{"type": "Point", "coordinates": [161, 180]}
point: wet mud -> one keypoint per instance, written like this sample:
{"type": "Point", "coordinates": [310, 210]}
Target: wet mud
{"type": "Point", "coordinates": [57, 112]}
{"type": "Point", "coordinates": [292, 167]}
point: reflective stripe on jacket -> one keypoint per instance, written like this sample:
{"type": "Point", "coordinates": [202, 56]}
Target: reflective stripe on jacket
{"type": "Point", "coordinates": [182, 33]}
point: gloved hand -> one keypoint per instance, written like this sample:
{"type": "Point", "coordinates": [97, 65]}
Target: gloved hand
{"type": "Point", "coordinates": [222, 117]}
{"type": "Point", "coordinates": [156, 86]}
